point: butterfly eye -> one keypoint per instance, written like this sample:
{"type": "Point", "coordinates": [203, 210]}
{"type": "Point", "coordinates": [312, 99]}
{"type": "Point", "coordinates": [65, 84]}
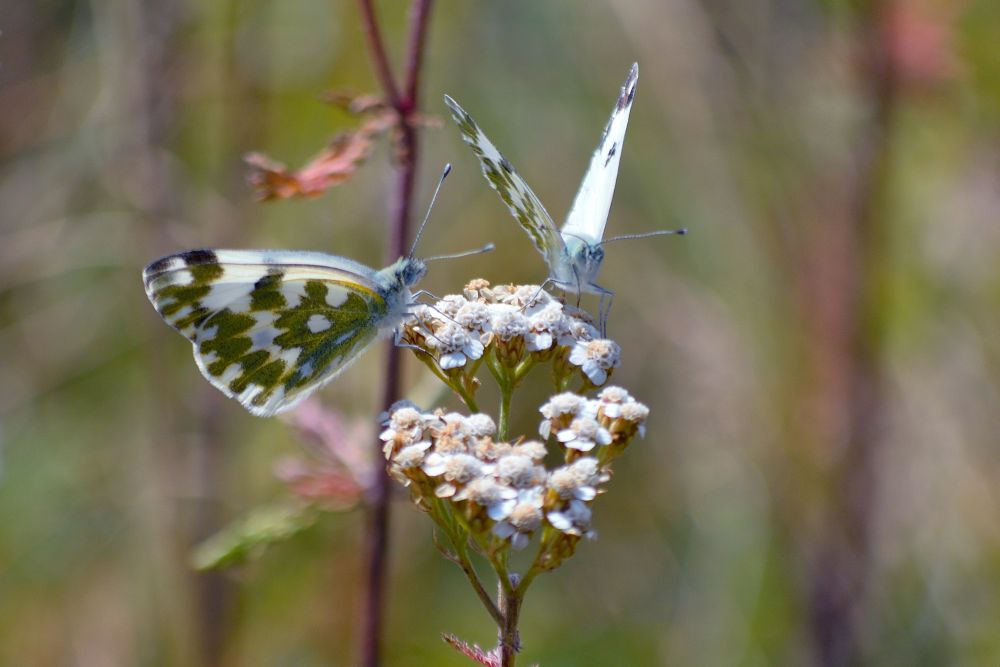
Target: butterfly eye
{"type": "Point", "coordinates": [413, 272]}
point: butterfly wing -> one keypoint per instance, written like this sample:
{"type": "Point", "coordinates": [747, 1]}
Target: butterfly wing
{"type": "Point", "coordinates": [589, 213]}
{"type": "Point", "coordinates": [515, 193]}
{"type": "Point", "coordinates": [269, 328]}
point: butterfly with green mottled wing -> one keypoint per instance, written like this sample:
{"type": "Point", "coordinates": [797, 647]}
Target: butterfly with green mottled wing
{"type": "Point", "coordinates": [269, 327]}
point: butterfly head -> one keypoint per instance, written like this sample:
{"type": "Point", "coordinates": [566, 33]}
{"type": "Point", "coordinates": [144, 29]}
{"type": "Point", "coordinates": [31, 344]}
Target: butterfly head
{"type": "Point", "coordinates": [585, 257]}
{"type": "Point", "coordinates": [407, 271]}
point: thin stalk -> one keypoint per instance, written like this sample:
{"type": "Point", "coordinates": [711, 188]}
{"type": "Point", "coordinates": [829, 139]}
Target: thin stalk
{"type": "Point", "coordinates": [379, 56]}
{"type": "Point", "coordinates": [420, 12]}
{"type": "Point", "coordinates": [503, 428]}
{"type": "Point", "coordinates": [510, 642]}
{"type": "Point", "coordinates": [397, 246]}
{"type": "Point", "coordinates": [523, 369]}
{"type": "Point", "coordinates": [468, 398]}
{"type": "Point", "coordinates": [470, 571]}
{"type": "Point", "coordinates": [843, 567]}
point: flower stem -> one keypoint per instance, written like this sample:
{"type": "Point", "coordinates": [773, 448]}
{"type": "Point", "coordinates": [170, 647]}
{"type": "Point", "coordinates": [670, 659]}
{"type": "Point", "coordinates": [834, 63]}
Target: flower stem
{"type": "Point", "coordinates": [470, 571]}
{"type": "Point", "coordinates": [470, 401]}
{"type": "Point", "coordinates": [377, 534]}
{"type": "Point", "coordinates": [510, 607]}
{"type": "Point", "coordinates": [379, 56]}
{"type": "Point", "coordinates": [503, 428]}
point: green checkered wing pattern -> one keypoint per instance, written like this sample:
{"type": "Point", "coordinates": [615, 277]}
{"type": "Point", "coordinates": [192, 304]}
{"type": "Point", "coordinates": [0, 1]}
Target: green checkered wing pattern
{"type": "Point", "coordinates": [270, 327]}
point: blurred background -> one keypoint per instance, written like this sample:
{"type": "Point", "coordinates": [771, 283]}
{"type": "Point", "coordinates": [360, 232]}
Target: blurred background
{"type": "Point", "coordinates": [820, 482]}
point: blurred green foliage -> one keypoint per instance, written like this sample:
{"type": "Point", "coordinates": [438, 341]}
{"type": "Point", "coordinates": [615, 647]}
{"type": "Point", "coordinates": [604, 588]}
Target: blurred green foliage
{"type": "Point", "coordinates": [122, 125]}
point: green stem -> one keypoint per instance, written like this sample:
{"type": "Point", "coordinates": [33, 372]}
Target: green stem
{"type": "Point", "coordinates": [431, 364]}
{"type": "Point", "coordinates": [465, 563]}
{"type": "Point", "coordinates": [457, 532]}
{"type": "Point", "coordinates": [528, 578]}
{"type": "Point", "coordinates": [496, 369]}
{"type": "Point", "coordinates": [503, 429]}
{"type": "Point", "coordinates": [457, 387]}
{"type": "Point", "coordinates": [534, 570]}
{"type": "Point", "coordinates": [522, 369]}
{"type": "Point", "coordinates": [470, 400]}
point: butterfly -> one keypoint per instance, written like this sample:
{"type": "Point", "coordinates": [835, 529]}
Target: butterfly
{"type": "Point", "coordinates": [270, 327]}
{"type": "Point", "coordinates": [574, 254]}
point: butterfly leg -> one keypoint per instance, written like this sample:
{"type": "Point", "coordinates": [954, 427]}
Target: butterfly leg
{"type": "Point", "coordinates": [397, 340]}
{"type": "Point", "coordinates": [541, 288]}
{"type": "Point", "coordinates": [430, 307]}
{"type": "Point", "coordinates": [427, 329]}
{"type": "Point", "coordinates": [422, 292]}
{"type": "Point", "coordinates": [579, 286]}
{"type": "Point", "coordinates": [607, 297]}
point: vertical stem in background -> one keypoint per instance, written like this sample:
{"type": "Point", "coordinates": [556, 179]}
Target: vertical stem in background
{"type": "Point", "coordinates": [840, 574]}
{"type": "Point", "coordinates": [396, 246]}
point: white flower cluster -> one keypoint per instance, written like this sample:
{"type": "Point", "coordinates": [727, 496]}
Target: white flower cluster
{"type": "Point", "coordinates": [581, 424]}
{"type": "Point", "coordinates": [504, 488]}
{"type": "Point", "coordinates": [513, 322]}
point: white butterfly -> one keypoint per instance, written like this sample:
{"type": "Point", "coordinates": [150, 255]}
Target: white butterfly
{"type": "Point", "coordinates": [574, 253]}
{"type": "Point", "coordinates": [270, 327]}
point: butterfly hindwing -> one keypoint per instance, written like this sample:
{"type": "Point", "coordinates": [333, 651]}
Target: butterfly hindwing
{"type": "Point", "coordinates": [589, 213]}
{"type": "Point", "coordinates": [513, 190]}
{"type": "Point", "coordinates": [269, 328]}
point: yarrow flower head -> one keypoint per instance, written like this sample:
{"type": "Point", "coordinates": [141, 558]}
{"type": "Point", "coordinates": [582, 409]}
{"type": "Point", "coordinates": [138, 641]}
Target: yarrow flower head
{"type": "Point", "coordinates": [573, 519]}
{"type": "Point", "coordinates": [583, 434]}
{"type": "Point", "coordinates": [547, 326]}
{"type": "Point", "coordinates": [596, 358]}
{"type": "Point", "coordinates": [405, 426]}
{"type": "Point", "coordinates": [579, 480]}
{"type": "Point", "coordinates": [559, 412]}
{"type": "Point", "coordinates": [524, 518]}
{"type": "Point", "coordinates": [455, 346]}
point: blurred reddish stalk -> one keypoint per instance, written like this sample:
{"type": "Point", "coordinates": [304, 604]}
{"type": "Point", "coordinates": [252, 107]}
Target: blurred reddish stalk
{"type": "Point", "coordinates": [849, 321]}
{"type": "Point", "coordinates": [406, 105]}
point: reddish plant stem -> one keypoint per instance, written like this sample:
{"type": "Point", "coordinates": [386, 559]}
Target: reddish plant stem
{"type": "Point", "coordinates": [378, 528]}
{"type": "Point", "coordinates": [841, 573]}
{"type": "Point", "coordinates": [419, 14]}
{"type": "Point", "coordinates": [377, 48]}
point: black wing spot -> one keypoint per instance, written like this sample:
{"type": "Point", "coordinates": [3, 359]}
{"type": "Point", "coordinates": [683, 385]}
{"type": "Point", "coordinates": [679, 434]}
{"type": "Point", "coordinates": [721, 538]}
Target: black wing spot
{"type": "Point", "coordinates": [611, 153]}
{"type": "Point", "coordinates": [159, 265]}
{"type": "Point", "coordinates": [507, 166]}
{"type": "Point", "coordinates": [198, 257]}
{"type": "Point", "coordinates": [269, 281]}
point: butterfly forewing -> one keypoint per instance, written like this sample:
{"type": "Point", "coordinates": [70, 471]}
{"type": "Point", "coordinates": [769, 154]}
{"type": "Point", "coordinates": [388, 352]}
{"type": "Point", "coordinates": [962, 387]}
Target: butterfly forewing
{"type": "Point", "coordinates": [269, 328]}
{"type": "Point", "coordinates": [589, 213]}
{"type": "Point", "coordinates": [513, 190]}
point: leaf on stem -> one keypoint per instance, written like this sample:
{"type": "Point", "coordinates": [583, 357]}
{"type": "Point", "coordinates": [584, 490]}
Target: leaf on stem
{"type": "Point", "coordinates": [249, 536]}
{"type": "Point", "coordinates": [477, 654]}
{"type": "Point", "coordinates": [474, 652]}
{"type": "Point", "coordinates": [332, 166]}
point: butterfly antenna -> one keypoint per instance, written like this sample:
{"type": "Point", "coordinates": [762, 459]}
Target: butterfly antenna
{"type": "Point", "coordinates": [663, 232]}
{"type": "Point", "coordinates": [489, 247]}
{"type": "Point", "coordinates": [430, 207]}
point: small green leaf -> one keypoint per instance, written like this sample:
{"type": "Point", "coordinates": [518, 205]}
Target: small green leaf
{"type": "Point", "coordinates": [249, 536]}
